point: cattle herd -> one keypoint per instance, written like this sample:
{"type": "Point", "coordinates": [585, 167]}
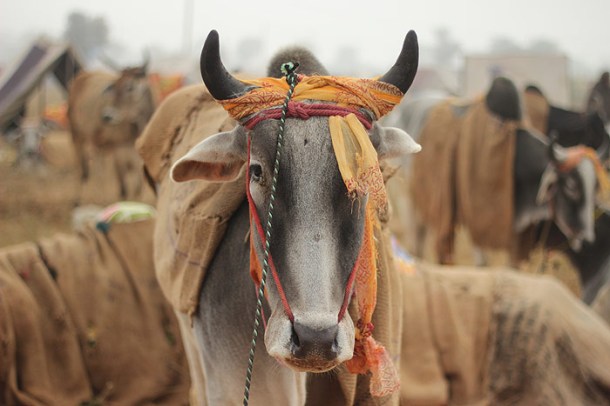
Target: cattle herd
{"type": "Point", "coordinates": [295, 198]}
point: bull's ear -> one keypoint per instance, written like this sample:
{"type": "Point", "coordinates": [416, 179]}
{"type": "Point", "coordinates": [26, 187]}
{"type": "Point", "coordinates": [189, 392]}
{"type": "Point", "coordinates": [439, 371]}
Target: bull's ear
{"type": "Point", "coordinates": [548, 183]}
{"type": "Point", "coordinates": [217, 159]}
{"type": "Point", "coordinates": [393, 142]}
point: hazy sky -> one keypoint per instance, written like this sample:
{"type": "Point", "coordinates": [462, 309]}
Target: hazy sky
{"type": "Point", "coordinates": [375, 28]}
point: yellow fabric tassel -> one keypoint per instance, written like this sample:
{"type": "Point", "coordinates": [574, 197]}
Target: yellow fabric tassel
{"type": "Point", "coordinates": [369, 355]}
{"type": "Point", "coordinates": [357, 159]}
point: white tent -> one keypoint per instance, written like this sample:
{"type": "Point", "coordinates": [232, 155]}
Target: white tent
{"type": "Point", "coordinates": [18, 83]}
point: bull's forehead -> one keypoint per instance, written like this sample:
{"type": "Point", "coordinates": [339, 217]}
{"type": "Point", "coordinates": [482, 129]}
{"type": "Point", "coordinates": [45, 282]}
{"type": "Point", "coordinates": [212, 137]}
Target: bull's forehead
{"type": "Point", "coordinates": [307, 146]}
{"type": "Point", "coordinates": [309, 178]}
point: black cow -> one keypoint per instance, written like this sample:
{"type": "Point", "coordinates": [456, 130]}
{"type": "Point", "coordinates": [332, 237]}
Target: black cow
{"type": "Point", "coordinates": [543, 188]}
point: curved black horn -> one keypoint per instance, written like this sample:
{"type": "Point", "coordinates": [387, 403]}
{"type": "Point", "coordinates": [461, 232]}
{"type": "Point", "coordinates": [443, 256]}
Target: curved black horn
{"type": "Point", "coordinates": [221, 84]}
{"type": "Point", "coordinates": [403, 72]}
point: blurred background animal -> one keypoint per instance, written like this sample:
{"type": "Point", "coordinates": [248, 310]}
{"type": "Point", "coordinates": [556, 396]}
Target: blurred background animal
{"type": "Point", "coordinates": [107, 112]}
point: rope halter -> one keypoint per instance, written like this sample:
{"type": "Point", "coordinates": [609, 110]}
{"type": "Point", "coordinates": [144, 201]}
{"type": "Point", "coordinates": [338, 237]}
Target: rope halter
{"type": "Point", "coordinates": [351, 105]}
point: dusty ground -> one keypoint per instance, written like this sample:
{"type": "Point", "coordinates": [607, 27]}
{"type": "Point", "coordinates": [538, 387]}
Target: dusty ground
{"type": "Point", "coordinates": [37, 199]}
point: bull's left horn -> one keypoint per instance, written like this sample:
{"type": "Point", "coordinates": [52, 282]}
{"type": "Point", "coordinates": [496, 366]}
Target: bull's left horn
{"type": "Point", "coordinates": [221, 84]}
{"type": "Point", "coordinates": [403, 72]}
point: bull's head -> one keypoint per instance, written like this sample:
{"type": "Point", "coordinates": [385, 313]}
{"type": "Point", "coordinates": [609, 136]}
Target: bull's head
{"type": "Point", "coordinates": [128, 99]}
{"type": "Point", "coordinates": [317, 227]}
{"type": "Point", "coordinates": [569, 186]}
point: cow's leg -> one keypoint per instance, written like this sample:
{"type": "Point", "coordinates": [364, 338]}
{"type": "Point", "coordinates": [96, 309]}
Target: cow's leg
{"type": "Point", "coordinates": [120, 171]}
{"type": "Point", "coordinates": [223, 328]}
{"type": "Point", "coordinates": [82, 158]}
{"type": "Point", "coordinates": [420, 236]}
{"type": "Point", "coordinates": [126, 165]}
{"type": "Point", "coordinates": [445, 248]}
{"type": "Point", "coordinates": [480, 256]}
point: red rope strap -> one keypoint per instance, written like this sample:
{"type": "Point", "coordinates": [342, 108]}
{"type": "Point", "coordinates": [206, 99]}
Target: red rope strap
{"type": "Point", "coordinates": [259, 229]}
{"type": "Point", "coordinates": [304, 111]}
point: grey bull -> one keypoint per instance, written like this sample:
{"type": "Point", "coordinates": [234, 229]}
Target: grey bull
{"type": "Point", "coordinates": [454, 347]}
{"type": "Point", "coordinates": [106, 113]}
{"type": "Point", "coordinates": [314, 220]}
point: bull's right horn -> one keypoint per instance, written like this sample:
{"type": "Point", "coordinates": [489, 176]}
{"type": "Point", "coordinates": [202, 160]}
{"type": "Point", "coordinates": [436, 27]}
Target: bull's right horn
{"type": "Point", "coordinates": [403, 72]}
{"type": "Point", "coordinates": [221, 84]}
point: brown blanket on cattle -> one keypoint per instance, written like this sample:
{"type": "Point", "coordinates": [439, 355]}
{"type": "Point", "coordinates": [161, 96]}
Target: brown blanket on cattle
{"type": "Point", "coordinates": [432, 183]}
{"type": "Point", "coordinates": [193, 216]}
{"type": "Point", "coordinates": [484, 177]}
{"type": "Point", "coordinates": [465, 174]}
{"type": "Point", "coordinates": [499, 338]}
{"type": "Point", "coordinates": [82, 321]}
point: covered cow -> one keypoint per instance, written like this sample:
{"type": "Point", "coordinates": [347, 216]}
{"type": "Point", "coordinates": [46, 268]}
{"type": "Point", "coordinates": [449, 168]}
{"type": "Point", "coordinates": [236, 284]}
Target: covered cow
{"type": "Point", "coordinates": [215, 179]}
{"type": "Point", "coordinates": [107, 112]}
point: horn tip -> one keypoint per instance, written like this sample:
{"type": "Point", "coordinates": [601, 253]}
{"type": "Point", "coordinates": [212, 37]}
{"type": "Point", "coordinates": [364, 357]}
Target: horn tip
{"type": "Point", "coordinates": [212, 41]}
{"type": "Point", "coordinates": [411, 42]}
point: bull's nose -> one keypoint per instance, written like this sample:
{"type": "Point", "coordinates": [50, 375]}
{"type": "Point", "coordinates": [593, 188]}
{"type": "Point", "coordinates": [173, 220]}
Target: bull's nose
{"type": "Point", "coordinates": [309, 342]}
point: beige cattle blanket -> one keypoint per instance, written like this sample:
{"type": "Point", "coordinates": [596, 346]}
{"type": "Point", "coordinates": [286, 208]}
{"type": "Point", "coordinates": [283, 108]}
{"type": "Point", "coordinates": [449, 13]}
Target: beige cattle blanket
{"type": "Point", "coordinates": [464, 174]}
{"type": "Point", "coordinates": [83, 321]}
{"type": "Point", "coordinates": [473, 337]}
{"type": "Point", "coordinates": [432, 183]}
{"type": "Point", "coordinates": [459, 337]}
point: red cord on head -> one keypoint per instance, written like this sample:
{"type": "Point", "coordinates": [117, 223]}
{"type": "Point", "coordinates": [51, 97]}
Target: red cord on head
{"type": "Point", "coordinates": [261, 234]}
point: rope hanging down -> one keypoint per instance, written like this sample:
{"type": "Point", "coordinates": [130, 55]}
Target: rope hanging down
{"type": "Point", "coordinates": [288, 69]}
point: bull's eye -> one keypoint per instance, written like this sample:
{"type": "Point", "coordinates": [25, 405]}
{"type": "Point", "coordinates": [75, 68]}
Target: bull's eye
{"type": "Point", "coordinates": [256, 173]}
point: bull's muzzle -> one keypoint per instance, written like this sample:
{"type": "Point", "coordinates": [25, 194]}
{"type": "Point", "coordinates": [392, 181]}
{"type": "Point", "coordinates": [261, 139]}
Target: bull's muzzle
{"type": "Point", "coordinates": [313, 343]}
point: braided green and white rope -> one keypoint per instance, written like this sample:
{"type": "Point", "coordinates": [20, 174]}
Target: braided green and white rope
{"type": "Point", "coordinates": [288, 69]}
